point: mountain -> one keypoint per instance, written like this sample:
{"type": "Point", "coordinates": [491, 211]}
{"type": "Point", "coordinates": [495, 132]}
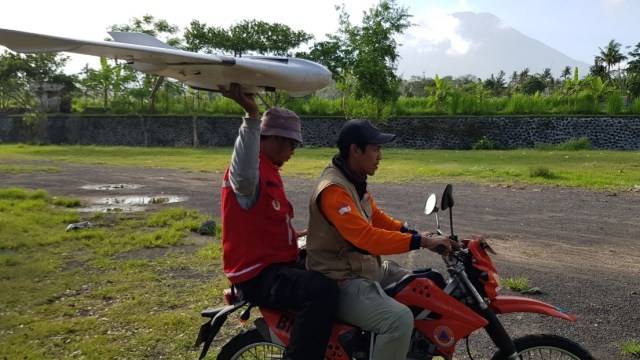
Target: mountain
{"type": "Point", "coordinates": [481, 44]}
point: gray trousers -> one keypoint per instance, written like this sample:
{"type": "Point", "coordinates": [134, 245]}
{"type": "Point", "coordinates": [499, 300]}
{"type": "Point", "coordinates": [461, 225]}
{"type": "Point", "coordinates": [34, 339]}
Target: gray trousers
{"type": "Point", "coordinates": [363, 303]}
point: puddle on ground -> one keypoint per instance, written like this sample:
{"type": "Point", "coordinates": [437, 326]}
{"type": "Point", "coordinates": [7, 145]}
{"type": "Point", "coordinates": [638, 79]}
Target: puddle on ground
{"type": "Point", "coordinates": [131, 203]}
{"type": "Point", "coordinates": [112, 187]}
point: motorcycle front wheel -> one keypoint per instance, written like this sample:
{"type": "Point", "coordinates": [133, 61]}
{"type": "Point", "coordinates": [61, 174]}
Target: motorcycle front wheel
{"type": "Point", "coordinates": [250, 345]}
{"type": "Point", "coordinates": [546, 347]}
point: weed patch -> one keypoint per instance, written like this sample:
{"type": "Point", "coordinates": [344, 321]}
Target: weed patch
{"type": "Point", "coordinates": [520, 285]}
{"type": "Point", "coordinates": [541, 172]}
{"type": "Point", "coordinates": [631, 347]}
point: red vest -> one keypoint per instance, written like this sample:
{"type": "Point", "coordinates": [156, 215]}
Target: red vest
{"type": "Point", "coordinates": [263, 235]}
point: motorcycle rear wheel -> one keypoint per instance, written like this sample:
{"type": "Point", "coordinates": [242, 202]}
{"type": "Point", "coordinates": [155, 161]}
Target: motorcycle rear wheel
{"type": "Point", "coordinates": [545, 347]}
{"type": "Point", "coordinates": [250, 345]}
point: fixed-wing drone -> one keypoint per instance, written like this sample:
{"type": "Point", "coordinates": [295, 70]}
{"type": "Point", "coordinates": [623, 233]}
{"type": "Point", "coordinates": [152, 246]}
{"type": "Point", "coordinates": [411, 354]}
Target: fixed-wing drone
{"type": "Point", "coordinates": [147, 54]}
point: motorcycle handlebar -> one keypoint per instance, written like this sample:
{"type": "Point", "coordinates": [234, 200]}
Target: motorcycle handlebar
{"type": "Point", "coordinates": [441, 249]}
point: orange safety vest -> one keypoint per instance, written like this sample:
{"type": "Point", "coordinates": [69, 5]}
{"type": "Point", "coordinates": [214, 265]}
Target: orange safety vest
{"type": "Point", "coordinates": [262, 235]}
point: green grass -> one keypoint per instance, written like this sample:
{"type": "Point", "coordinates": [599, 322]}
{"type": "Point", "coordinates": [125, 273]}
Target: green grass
{"type": "Point", "coordinates": [590, 169]}
{"type": "Point", "coordinates": [123, 287]}
{"type": "Point", "coordinates": [520, 284]}
{"type": "Point", "coordinates": [19, 168]}
{"type": "Point", "coordinates": [130, 287]}
{"type": "Point", "coordinates": [631, 348]}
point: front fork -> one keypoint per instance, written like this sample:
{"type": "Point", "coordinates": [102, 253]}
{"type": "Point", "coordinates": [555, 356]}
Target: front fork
{"type": "Point", "coordinates": [498, 334]}
{"type": "Point", "coordinates": [494, 328]}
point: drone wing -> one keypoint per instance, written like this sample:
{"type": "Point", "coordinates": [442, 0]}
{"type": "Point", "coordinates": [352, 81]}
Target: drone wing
{"type": "Point", "coordinates": [203, 71]}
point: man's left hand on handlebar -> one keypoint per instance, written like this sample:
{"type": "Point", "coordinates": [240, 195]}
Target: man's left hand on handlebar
{"type": "Point", "coordinates": [440, 244]}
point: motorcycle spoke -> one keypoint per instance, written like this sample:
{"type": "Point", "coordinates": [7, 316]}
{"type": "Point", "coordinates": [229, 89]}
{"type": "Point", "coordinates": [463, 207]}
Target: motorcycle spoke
{"type": "Point", "coordinates": [264, 352]}
{"type": "Point", "coordinates": [546, 353]}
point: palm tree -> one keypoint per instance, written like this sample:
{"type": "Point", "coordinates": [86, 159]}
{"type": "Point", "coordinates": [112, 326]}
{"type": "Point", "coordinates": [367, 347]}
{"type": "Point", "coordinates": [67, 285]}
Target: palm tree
{"type": "Point", "coordinates": [566, 72]}
{"type": "Point", "coordinates": [547, 78]}
{"type": "Point", "coordinates": [611, 55]}
{"type": "Point", "coordinates": [634, 62]}
{"type": "Point", "coordinates": [598, 69]}
{"type": "Point", "coordinates": [500, 83]}
{"type": "Point", "coordinates": [513, 82]}
{"type": "Point", "coordinates": [523, 75]}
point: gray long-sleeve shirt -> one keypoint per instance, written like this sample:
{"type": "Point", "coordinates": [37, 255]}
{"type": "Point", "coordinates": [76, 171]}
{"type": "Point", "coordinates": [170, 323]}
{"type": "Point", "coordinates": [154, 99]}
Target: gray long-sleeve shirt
{"type": "Point", "coordinates": [244, 169]}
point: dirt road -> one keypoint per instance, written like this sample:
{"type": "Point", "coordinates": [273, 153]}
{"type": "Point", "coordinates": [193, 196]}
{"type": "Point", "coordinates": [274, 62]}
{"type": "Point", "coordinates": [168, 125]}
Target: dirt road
{"type": "Point", "coordinates": [580, 248]}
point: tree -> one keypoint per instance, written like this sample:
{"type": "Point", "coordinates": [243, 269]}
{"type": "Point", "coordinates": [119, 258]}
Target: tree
{"type": "Point", "coordinates": [514, 86]}
{"type": "Point", "coordinates": [439, 93]}
{"type": "Point", "coordinates": [248, 38]}
{"type": "Point", "coordinates": [338, 56]}
{"type": "Point", "coordinates": [547, 78]}
{"type": "Point", "coordinates": [566, 72]}
{"type": "Point", "coordinates": [160, 28]}
{"type": "Point", "coordinates": [500, 84]}
{"type": "Point", "coordinates": [108, 81]}
{"type": "Point", "coordinates": [157, 28]}
{"type": "Point", "coordinates": [523, 76]}
{"type": "Point", "coordinates": [20, 74]}
{"type": "Point", "coordinates": [375, 55]}
{"type": "Point", "coordinates": [611, 55]}
{"type": "Point", "coordinates": [465, 81]}
{"type": "Point", "coordinates": [633, 66]}
{"type": "Point", "coordinates": [598, 69]}
{"type": "Point", "coordinates": [598, 88]}
{"type": "Point", "coordinates": [532, 85]}
{"type": "Point", "coordinates": [633, 71]}
{"type": "Point", "coordinates": [490, 83]}
{"type": "Point", "coordinates": [573, 87]}
{"type": "Point", "coordinates": [245, 38]}
{"type": "Point", "coordinates": [415, 86]}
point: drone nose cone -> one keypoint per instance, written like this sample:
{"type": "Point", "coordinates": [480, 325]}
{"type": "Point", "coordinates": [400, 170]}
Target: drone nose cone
{"type": "Point", "coordinates": [325, 76]}
{"type": "Point", "coordinates": [318, 74]}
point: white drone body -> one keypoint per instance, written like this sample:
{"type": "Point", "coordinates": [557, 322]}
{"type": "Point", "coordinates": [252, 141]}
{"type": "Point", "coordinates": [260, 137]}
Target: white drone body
{"type": "Point", "coordinates": [147, 54]}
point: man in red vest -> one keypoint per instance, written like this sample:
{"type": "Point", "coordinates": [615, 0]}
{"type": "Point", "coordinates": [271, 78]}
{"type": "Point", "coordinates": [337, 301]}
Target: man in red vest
{"type": "Point", "coordinates": [259, 243]}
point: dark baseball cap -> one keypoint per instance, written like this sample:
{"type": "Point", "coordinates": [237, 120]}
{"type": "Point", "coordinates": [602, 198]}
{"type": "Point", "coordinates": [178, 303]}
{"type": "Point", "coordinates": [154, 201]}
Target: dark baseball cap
{"type": "Point", "coordinates": [358, 131]}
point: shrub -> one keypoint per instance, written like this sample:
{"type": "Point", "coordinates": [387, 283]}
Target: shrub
{"type": "Point", "coordinates": [634, 108]}
{"type": "Point", "coordinates": [582, 143]}
{"type": "Point", "coordinates": [520, 284]}
{"type": "Point", "coordinates": [486, 144]}
{"type": "Point", "coordinates": [541, 172]}
{"type": "Point", "coordinates": [631, 348]}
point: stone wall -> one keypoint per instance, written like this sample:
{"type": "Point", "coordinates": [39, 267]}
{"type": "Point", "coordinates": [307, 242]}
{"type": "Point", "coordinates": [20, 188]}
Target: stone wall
{"type": "Point", "coordinates": [413, 132]}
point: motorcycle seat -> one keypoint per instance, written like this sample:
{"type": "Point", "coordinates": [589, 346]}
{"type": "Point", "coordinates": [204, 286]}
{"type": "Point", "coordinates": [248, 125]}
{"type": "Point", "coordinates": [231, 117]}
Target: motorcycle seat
{"type": "Point", "coordinates": [432, 274]}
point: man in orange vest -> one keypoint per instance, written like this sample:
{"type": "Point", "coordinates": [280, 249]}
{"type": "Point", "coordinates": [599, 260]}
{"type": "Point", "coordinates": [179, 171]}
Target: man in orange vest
{"type": "Point", "coordinates": [260, 249]}
{"type": "Point", "coordinates": [348, 234]}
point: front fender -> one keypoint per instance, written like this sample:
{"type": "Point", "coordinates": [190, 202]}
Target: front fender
{"type": "Point", "coordinates": [511, 304]}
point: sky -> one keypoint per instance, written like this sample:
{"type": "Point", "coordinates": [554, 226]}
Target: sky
{"type": "Point", "coordinates": [577, 28]}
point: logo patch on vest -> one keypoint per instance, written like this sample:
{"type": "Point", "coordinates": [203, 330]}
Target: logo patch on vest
{"type": "Point", "coordinates": [344, 208]}
{"type": "Point", "coordinates": [276, 204]}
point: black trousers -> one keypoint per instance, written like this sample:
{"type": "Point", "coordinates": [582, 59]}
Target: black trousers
{"type": "Point", "coordinates": [313, 295]}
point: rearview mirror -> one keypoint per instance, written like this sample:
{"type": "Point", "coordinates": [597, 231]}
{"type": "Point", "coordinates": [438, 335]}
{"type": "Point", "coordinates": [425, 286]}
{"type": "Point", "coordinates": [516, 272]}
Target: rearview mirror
{"type": "Point", "coordinates": [430, 206]}
{"type": "Point", "coordinates": [447, 198]}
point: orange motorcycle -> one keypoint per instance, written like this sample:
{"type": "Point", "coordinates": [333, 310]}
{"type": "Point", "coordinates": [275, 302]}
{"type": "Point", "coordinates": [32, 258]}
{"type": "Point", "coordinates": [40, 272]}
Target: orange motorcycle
{"type": "Point", "coordinates": [444, 313]}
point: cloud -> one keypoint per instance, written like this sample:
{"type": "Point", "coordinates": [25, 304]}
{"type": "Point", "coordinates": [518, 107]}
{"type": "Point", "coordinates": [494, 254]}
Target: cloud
{"type": "Point", "coordinates": [436, 29]}
{"type": "Point", "coordinates": [611, 3]}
